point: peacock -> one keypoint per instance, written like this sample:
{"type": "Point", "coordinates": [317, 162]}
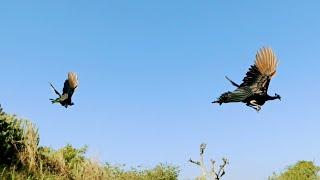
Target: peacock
{"type": "Point", "coordinates": [69, 87]}
{"type": "Point", "coordinates": [254, 87]}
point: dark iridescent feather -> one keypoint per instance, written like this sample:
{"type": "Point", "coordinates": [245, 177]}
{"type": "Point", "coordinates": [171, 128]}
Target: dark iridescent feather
{"type": "Point", "coordinates": [68, 89]}
{"type": "Point", "coordinates": [254, 86]}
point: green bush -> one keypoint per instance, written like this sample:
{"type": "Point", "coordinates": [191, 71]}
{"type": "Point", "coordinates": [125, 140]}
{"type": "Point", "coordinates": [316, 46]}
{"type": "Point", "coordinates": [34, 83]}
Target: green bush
{"type": "Point", "coordinates": [160, 172]}
{"type": "Point", "coordinates": [11, 138]}
{"type": "Point", "coordinates": [302, 170]}
{"type": "Point", "coordinates": [73, 156]}
{"type": "Point", "coordinates": [64, 161]}
{"type": "Point", "coordinates": [22, 158]}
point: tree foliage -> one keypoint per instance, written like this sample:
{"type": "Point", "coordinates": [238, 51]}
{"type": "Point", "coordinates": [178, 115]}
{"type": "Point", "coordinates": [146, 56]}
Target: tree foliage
{"type": "Point", "coordinates": [302, 170]}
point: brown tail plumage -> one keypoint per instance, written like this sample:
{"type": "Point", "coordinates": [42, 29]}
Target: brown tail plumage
{"type": "Point", "coordinates": [266, 62]}
{"type": "Point", "coordinates": [73, 80]}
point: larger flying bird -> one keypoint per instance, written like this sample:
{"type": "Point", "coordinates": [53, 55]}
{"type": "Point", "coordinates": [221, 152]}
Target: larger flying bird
{"type": "Point", "coordinates": [254, 87]}
{"type": "Point", "coordinates": [69, 87]}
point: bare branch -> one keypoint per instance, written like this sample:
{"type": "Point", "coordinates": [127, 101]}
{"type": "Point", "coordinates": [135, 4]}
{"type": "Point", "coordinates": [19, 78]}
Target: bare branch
{"type": "Point", "coordinates": [202, 148]}
{"type": "Point", "coordinates": [194, 162]}
{"type": "Point", "coordinates": [212, 169]}
{"type": "Point", "coordinates": [201, 162]}
{"type": "Point", "coordinates": [202, 165]}
{"type": "Point", "coordinates": [221, 171]}
{"type": "Point", "coordinates": [213, 174]}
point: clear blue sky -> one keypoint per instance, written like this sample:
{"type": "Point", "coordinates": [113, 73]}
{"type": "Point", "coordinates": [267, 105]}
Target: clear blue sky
{"type": "Point", "coordinates": [148, 71]}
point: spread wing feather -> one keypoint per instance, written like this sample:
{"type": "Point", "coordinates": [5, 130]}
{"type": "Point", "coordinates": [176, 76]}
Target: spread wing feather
{"type": "Point", "coordinates": [259, 75]}
{"type": "Point", "coordinates": [55, 90]}
{"type": "Point", "coordinates": [70, 84]}
{"type": "Point", "coordinates": [66, 87]}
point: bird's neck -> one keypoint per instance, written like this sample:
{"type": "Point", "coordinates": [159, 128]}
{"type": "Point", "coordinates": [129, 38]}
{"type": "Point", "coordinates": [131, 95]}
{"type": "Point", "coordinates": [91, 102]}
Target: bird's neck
{"type": "Point", "coordinates": [271, 97]}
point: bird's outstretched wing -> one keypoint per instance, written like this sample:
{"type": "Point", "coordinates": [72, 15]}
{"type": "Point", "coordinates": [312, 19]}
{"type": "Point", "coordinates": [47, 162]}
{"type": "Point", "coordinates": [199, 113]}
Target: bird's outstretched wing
{"type": "Point", "coordinates": [259, 75]}
{"type": "Point", "coordinates": [71, 83]}
{"type": "Point", "coordinates": [55, 90]}
{"type": "Point", "coordinates": [66, 87]}
{"type": "Point", "coordinates": [69, 87]}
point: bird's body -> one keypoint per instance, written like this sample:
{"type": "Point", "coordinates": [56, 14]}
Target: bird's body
{"type": "Point", "coordinates": [69, 87]}
{"type": "Point", "coordinates": [253, 90]}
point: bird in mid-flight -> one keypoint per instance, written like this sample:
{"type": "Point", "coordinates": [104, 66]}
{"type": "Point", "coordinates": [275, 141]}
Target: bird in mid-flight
{"type": "Point", "coordinates": [254, 87]}
{"type": "Point", "coordinates": [69, 87]}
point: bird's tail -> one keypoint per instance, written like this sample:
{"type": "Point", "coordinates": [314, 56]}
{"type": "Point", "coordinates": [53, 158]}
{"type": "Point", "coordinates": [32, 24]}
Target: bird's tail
{"type": "Point", "coordinates": [73, 80]}
{"type": "Point", "coordinates": [266, 62]}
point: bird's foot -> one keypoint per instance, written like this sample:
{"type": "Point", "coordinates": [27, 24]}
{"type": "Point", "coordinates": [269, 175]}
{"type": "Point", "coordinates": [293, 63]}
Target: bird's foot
{"type": "Point", "coordinates": [258, 108]}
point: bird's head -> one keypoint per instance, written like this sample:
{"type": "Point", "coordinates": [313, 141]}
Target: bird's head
{"type": "Point", "coordinates": [277, 96]}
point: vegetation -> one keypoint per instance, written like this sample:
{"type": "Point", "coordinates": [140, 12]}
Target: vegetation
{"type": "Point", "coordinates": [11, 138]}
{"type": "Point", "coordinates": [302, 170]}
{"type": "Point", "coordinates": [21, 157]}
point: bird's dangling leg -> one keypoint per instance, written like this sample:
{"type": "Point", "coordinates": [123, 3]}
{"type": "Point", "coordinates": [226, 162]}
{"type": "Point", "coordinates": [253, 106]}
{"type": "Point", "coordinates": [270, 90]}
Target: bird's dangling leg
{"type": "Point", "coordinates": [254, 105]}
{"type": "Point", "coordinates": [257, 108]}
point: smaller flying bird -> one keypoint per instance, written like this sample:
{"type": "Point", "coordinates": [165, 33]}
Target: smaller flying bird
{"type": "Point", "coordinates": [69, 87]}
{"type": "Point", "coordinates": [254, 87]}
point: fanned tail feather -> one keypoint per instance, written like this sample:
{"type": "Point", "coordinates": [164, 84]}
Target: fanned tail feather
{"type": "Point", "coordinates": [73, 80]}
{"type": "Point", "coordinates": [266, 62]}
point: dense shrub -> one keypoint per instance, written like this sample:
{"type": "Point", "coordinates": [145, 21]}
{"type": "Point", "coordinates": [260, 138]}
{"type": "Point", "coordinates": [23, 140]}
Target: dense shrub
{"type": "Point", "coordinates": [11, 138]}
{"type": "Point", "coordinates": [302, 170]}
{"type": "Point", "coordinates": [160, 172]}
{"type": "Point", "coordinates": [21, 157]}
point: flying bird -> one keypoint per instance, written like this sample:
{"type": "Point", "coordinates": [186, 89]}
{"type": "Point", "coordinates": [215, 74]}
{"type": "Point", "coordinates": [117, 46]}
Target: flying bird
{"type": "Point", "coordinates": [70, 84]}
{"type": "Point", "coordinates": [254, 87]}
